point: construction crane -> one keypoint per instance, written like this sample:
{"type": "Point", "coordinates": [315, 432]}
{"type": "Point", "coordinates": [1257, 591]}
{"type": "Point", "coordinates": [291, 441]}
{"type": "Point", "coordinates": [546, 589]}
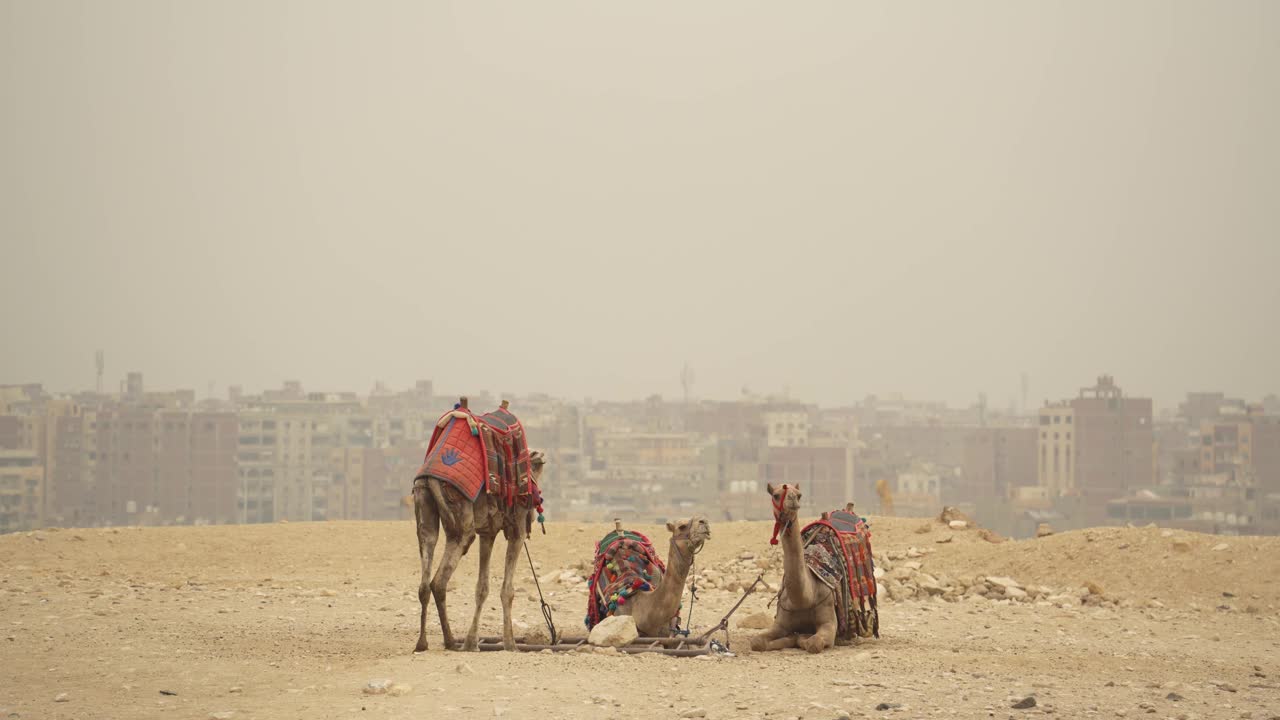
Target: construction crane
{"type": "Point", "coordinates": [886, 497]}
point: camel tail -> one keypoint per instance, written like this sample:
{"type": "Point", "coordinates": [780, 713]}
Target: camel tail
{"type": "Point", "coordinates": [442, 508]}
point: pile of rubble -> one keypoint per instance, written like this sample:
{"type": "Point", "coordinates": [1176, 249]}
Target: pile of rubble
{"type": "Point", "coordinates": [903, 576]}
{"type": "Point", "coordinates": [737, 575]}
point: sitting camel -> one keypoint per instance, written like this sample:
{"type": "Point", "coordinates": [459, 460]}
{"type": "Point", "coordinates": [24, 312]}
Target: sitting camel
{"type": "Point", "coordinates": [656, 609]}
{"type": "Point", "coordinates": [806, 615]}
{"type": "Point", "coordinates": [437, 503]}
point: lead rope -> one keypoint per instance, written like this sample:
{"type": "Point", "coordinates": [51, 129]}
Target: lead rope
{"type": "Point", "coordinates": [546, 609]}
{"type": "Point", "coordinates": [693, 593]}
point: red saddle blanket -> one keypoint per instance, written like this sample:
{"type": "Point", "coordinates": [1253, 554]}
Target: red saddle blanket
{"type": "Point", "coordinates": [838, 552]}
{"type": "Point", "coordinates": [481, 452]}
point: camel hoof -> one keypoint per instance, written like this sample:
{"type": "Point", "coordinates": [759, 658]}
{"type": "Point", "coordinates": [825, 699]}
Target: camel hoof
{"type": "Point", "coordinates": [759, 643]}
{"type": "Point", "coordinates": [421, 647]}
{"type": "Point", "coordinates": [813, 645]}
{"type": "Point", "coordinates": [471, 645]}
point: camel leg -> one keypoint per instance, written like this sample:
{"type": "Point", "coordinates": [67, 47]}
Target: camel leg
{"type": "Point", "coordinates": [428, 528]}
{"type": "Point", "coordinates": [514, 545]}
{"type": "Point", "coordinates": [440, 585]}
{"type": "Point", "coordinates": [482, 592]}
{"type": "Point", "coordinates": [782, 643]}
{"type": "Point", "coordinates": [825, 634]}
{"type": "Point", "coordinates": [824, 638]}
{"type": "Point", "coordinates": [775, 638]}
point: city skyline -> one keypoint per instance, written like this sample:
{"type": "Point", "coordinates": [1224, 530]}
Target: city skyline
{"type": "Point", "coordinates": [673, 390]}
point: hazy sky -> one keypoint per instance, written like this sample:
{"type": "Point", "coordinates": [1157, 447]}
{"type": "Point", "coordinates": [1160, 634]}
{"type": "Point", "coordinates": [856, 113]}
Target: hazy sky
{"type": "Point", "coordinates": [577, 197]}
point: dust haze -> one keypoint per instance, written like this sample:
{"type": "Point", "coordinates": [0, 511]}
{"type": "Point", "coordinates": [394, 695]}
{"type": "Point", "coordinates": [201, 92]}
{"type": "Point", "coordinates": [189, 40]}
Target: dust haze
{"type": "Point", "coordinates": [834, 199]}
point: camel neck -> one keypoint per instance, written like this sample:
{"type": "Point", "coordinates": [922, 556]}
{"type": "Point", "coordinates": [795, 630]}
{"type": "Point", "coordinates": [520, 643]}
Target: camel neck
{"type": "Point", "coordinates": [671, 589]}
{"type": "Point", "coordinates": [795, 574]}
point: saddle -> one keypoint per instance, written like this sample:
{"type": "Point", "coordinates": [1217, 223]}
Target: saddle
{"type": "Point", "coordinates": [481, 453]}
{"type": "Point", "coordinates": [837, 550]}
{"type": "Point", "coordinates": [625, 564]}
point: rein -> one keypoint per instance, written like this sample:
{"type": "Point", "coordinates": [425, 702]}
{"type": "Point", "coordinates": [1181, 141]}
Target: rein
{"type": "Point", "coordinates": [546, 609]}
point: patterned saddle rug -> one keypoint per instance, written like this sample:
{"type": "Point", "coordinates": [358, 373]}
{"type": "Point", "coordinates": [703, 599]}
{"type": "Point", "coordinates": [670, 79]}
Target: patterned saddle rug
{"type": "Point", "coordinates": [481, 452]}
{"type": "Point", "coordinates": [625, 564]}
{"type": "Point", "coordinates": [838, 552]}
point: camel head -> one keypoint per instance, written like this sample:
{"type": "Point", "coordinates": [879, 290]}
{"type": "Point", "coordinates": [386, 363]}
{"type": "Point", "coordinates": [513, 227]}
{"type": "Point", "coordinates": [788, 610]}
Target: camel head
{"type": "Point", "coordinates": [786, 506]}
{"type": "Point", "coordinates": [786, 501]}
{"type": "Point", "coordinates": [689, 534]}
{"type": "Point", "coordinates": [536, 462]}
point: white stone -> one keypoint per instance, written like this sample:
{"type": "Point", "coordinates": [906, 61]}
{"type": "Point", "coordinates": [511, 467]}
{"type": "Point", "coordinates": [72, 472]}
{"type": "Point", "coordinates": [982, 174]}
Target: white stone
{"type": "Point", "coordinates": [1220, 547]}
{"type": "Point", "coordinates": [614, 631]}
{"type": "Point", "coordinates": [958, 524]}
{"type": "Point", "coordinates": [1004, 582]}
{"type": "Point", "coordinates": [537, 635]}
{"type": "Point", "coordinates": [377, 687]}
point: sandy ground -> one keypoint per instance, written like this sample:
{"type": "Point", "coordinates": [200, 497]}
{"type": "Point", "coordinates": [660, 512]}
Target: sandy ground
{"type": "Point", "coordinates": [293, 620]}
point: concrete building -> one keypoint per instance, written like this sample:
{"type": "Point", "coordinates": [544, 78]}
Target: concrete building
{"type": "Point", "coordinates": [824, 474]}
{"type": "Point", "coordinates": [996, 461]}
{"type": "Point", "coordinates": [1204, 406]}
{"type": "Point", "coordinates": [652, 475]}
{"type": "Point", "coordinates": [153, 467]}
{"type": "Point", "coordinates": [1057, 449]}
{"type": "Point", "coordinates": [21, 491]}
{"type": "Point", "coordinates": [786, 426]}
{"type": "Point", "coordinates": [1099, 447]}
{"type": "Point", "coordinates": [918, 490]}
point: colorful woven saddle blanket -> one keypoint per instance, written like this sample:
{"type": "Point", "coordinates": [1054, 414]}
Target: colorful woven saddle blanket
{"type": "Point", "coordinates": [838, 552]}
{"type": "Point", "coordinates": [477, 453]}
{"type": "Point", "coordinates": [625, 564]}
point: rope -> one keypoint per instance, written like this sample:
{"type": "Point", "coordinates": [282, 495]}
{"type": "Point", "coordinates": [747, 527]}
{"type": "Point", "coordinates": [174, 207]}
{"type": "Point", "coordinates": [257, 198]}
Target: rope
{"type": "Point", "coordinates": [693, 591]}
{"type": "Point", "coordinates": [724, 621]}
{"type": "Point", "coordinates": [546, 609]}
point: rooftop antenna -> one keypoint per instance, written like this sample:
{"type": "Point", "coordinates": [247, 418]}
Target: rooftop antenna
{"type": "Point", "coordinates": [686, 381]}
{"type": "Point", "coordinates": [101, 361]}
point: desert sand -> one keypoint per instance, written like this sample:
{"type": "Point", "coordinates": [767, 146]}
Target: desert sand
{"type": "Point", "coordinates": [297, 620]}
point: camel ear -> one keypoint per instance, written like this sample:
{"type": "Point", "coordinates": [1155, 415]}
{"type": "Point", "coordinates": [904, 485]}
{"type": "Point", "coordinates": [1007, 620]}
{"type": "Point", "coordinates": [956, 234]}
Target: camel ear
{"type": "Point", "coordinates": [769, 488]}
{"type": "Point", "coordinates": [671, 527]}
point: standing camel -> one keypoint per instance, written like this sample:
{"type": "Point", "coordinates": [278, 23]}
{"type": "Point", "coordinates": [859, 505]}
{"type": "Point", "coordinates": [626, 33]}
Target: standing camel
{"type": "Point", "coordinates": [806, 615]}
{"type": "Point", "coordinates": [436, 504]}
{"type": "Point", "coordinates": [654, 609]}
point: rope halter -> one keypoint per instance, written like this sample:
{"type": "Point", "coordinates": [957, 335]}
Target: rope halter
{"type": "Point", "coordinates": [779, 507]}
